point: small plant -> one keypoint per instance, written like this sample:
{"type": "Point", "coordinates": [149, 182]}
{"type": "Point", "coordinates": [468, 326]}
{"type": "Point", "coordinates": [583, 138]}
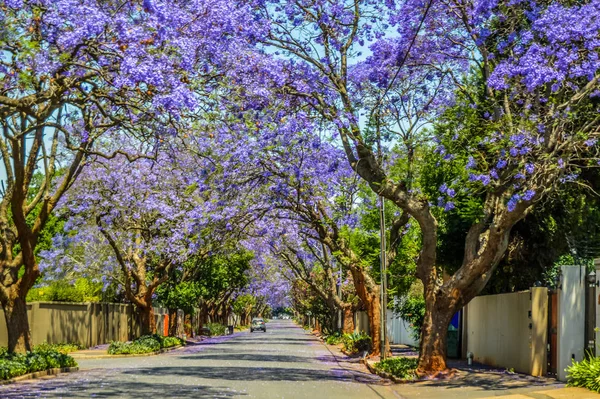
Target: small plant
{"type": "Point", "coordinates": [357, 342]}
{"type": "Point", "coordinates": [334, 339]}
{"type": "Point", "coordinates": [144, 344]}
{"type": "Point", "coordinates": [169, 342]}
{"type": "Point", "coordinates": [61, 347]}
{"type": "Point", "coordinates": [399, 367]}
{"type": "Point", "coordinates": [216, 329]}
{"type": "Point", "coordinates": [585, 374]}
{"type": "Point", "coordinates": [14, 364]}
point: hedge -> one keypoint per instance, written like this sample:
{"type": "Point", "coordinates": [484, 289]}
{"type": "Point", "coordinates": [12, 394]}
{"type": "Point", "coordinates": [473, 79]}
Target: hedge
{"type": "Point", "coordinates": [16, 364]}
{"type": "Point", "coordinates": [144, 344]}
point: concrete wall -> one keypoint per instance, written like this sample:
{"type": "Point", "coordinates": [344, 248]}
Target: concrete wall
{"type": "Point", "coordinates": [399, 331]}
{"type": "Point", "coordinates": [88, 324]}
{"type": "Point", "coordinates": [571, 317]}
{"type": "Point", "coordinates": [501, 331]}
{"type": "Point", "coordinates": [361, 322]}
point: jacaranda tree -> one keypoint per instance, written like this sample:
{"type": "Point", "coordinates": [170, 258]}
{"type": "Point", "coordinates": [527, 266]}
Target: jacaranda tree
{"type": "Point", "coordinates": [538, 65]}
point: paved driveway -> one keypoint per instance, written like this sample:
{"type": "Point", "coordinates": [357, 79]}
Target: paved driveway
{"type": "Point", "coordinates": [284, 362]}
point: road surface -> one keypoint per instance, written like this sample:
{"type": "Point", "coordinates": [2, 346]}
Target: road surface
{"type": "Point", "coordinates": [285, 362]}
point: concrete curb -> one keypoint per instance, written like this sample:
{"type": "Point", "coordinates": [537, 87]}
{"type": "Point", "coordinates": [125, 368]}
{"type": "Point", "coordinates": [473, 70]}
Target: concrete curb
{"type": "Point", "coordinates": [107, 356]}
{"type": "Point", "coordinates": [39, 374]}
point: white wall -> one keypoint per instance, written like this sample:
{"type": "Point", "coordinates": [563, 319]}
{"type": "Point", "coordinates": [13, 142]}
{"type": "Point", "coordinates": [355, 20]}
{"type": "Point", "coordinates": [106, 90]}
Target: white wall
{"type": "Point", "coordinates": [571, 318]}
{"type": "Point", "coordinates": [399, 331]}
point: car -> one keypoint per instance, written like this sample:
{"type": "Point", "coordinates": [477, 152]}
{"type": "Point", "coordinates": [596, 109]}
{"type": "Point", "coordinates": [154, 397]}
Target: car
{"type": "Point", "coordinates": [258, 324]}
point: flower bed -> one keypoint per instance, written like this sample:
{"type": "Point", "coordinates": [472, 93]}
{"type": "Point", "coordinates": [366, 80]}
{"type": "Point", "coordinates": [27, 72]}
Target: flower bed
{"type": "Point", "coordinates": [144, 344]}
{"type": "Point", "coordinates": [17, 364]}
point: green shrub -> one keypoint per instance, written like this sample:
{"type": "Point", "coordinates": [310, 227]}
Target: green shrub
{"type": "Point", "coordinates": [168, 342]}
{"type": "Point", "coordinates": [585, 373]}
{"type": "Point", "coordinates": [357, 342]}
{"type": "Point", "coordinates": [11, 368]}
{"type": "Point", "coordinates": [143, 344]}
{"type": "Point", "coordinates": [62, 347]}
{"type": "Point", "coordinates": [15, 364]}
{"type": "Point", "coordinates": [413, 311]}
{"type": "Point", "coordinates": [153, 342]}
{"type": "Point", "coordinates": [216, 329]}
{"type": "Point", "coordinates": [400, 367]}
{"type": "Point", "coordinates": [82, 290]}
{"type": "Point", "coordinates": [334, 339]}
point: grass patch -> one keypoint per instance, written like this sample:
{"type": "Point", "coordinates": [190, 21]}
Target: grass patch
{"type": "Point", "coordinates": [585, 374]}
{"type": "Point", "coordinates": [16, 364]}
{"type": "Point", "coordinates": [400, 367]}
{"type": "Point", "coordinates": [144, 344]}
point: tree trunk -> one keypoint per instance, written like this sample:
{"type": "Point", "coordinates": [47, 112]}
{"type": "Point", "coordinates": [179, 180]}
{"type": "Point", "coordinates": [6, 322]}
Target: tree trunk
{"type": "Point", "coordinates": [433, 338]}
{"type": "Point", "coordinates": [173, 322]}
{"type": "Point", "coordinates": [368, 292]}
{"type": "Point", "coordinates": [17, 324]}
{"type": "Point", "coordinates": [147, 320]}
{"type": "Point", "coordinates": [348, 325]}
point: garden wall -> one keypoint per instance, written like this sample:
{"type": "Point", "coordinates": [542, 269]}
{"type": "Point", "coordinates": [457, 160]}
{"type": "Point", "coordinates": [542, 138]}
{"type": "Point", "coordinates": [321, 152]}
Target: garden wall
{"type": "Point", "coordinates": [88, 324]}
{"type": "Point", "coordinates": [399, 331]}
{"type": "Point", "coordinates": [509, 330]}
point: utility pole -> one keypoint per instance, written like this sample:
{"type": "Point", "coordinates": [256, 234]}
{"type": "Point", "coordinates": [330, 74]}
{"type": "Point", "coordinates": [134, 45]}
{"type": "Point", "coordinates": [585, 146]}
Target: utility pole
{"type": "Point", "coordinates": [383, 288]}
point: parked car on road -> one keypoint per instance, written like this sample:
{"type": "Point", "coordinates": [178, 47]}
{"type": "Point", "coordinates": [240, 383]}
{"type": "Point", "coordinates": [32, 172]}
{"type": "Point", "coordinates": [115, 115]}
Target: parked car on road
{"type": "Point", "coordinates": [258, 324]}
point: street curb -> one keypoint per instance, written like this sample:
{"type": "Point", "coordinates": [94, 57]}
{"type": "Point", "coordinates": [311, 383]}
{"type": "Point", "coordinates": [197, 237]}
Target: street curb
{"type": "Point", "coordinates": [39, 374]}
{"type": "Point", "coordinates": [107, 356]}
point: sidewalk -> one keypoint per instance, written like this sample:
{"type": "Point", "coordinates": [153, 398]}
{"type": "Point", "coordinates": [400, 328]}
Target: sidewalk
{"type": "Point", "coordinates": [474, 382]}
{"type": "Point", "coordinates": [561, 393]}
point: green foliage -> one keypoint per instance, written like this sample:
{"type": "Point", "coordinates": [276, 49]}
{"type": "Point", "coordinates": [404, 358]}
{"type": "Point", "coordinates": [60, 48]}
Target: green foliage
{"type": "Point", "coordinates": [216, 329]}
{"type": "Point", "coordinates": [41, 358]}
{"type": "Point", "coordinates": [400, 367]}
{"type": "Point", "coordinates": [11, 368]}
{"type": "Point", "coordinates": [83, 290]}
{"type": "Point", "coordinates": [169, 342]}
{"type": "Point", "coordinates": [61, 347]}
{"type": "Point", "coordinates": [357, 342]}
{"type": "Point", "coordinates": [144, 344]}
{"type": "Point", "coordinates": [334, 339]}
{"type": "Point", "coordinates": [585, 373]}
{"type": "Point", "coordinates": [412, 309]}
{"type": "Point", "coordinates": [177, 294]}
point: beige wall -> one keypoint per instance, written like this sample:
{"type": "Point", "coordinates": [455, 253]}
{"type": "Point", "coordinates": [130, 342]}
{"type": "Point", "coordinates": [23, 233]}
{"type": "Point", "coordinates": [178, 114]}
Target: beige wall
{"type": "Point", "coordinates": [88, 324]}
{"type": "Point", "coordinates": [500, 332]}
{"type": "Point", "coordinates": [361, 322]}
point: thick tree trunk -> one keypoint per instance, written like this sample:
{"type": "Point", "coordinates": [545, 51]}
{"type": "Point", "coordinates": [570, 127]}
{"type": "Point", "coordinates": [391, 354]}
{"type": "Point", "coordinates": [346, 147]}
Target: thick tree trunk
{"type": "Point", "coordinates": [348, 325]}
{"type": "Point", "coordinates": [433, 338]}
{"type": "Point", "coordinates": [147, 320]}
{"type": "Point", "coordinates": [368, 292]}
{"type": "Point", "coordinates": [15, 314]}
{"type": "Point", "coordinates": [173, 322]}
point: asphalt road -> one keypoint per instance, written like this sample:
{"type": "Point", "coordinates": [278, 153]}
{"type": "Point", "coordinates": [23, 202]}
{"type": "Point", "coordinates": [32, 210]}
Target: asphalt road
{"type": "Point", "coordinates": [284, 362]}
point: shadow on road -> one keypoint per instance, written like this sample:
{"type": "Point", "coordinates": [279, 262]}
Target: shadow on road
{"type": "Point", "coordinates": [245, 373]}
{"type": "Point", "coordinates": [252, 357]}
{"type": "Point", "coordinates": [116, 388]}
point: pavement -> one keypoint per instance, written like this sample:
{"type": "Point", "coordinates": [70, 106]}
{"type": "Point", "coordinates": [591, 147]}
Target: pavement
{"type": "Point", "coordinates": [284, 362]}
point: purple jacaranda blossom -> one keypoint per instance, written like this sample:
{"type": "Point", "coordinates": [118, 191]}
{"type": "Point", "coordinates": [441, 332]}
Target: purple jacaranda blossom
{"type": "Point", "coordinates": [449, 206]}
{"type": "Point", "coordinates": [529, 168]}
{"type": "Point", "coordinates": [529, 194]}
{"type": "Point", "coordinates": [471, 163]}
